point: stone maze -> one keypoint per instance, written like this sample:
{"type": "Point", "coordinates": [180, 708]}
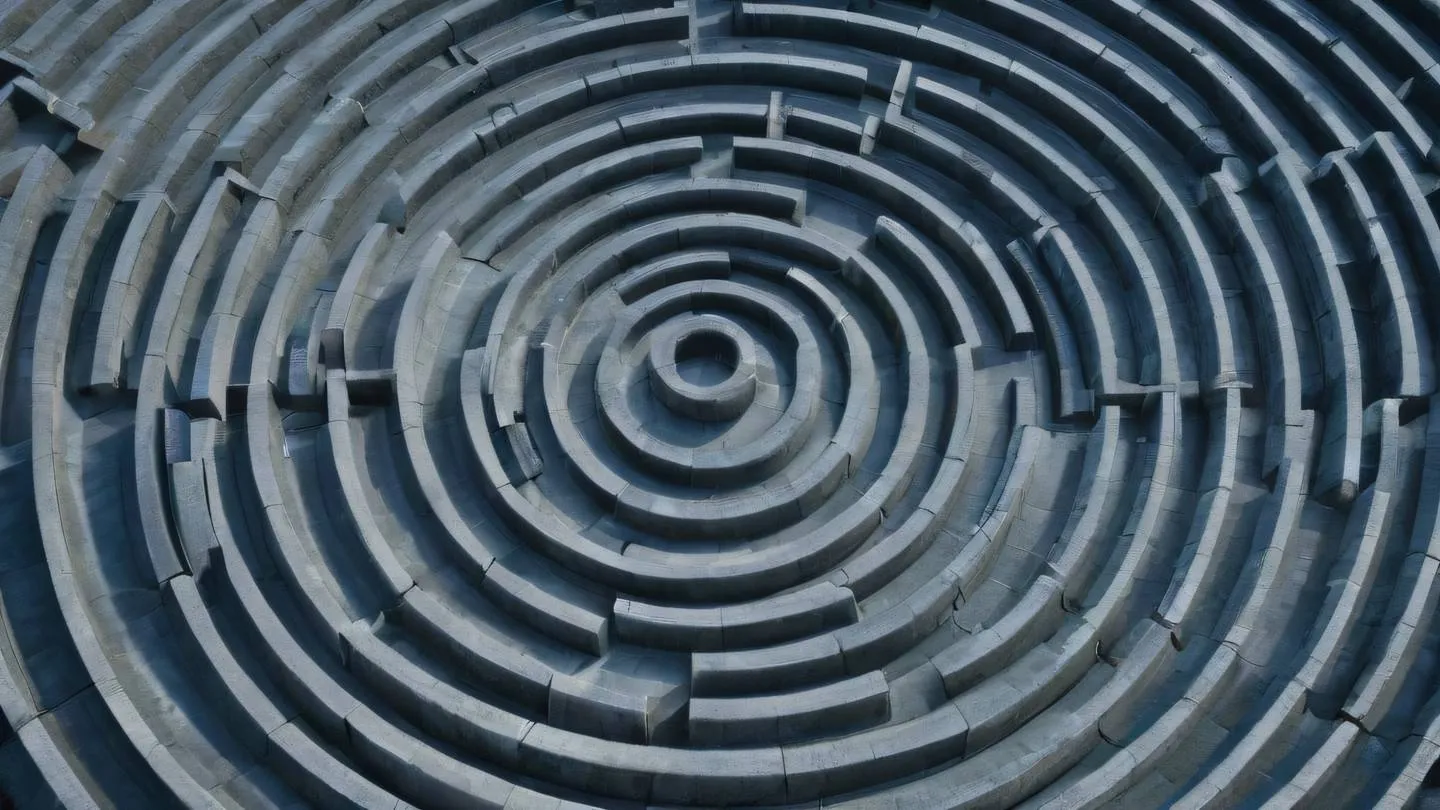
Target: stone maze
{"type": "Point", "coordinates": [654, 404]}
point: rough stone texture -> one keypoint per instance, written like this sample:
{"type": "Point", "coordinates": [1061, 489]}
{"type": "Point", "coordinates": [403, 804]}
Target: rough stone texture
{"type": "Point", "coordinates": [691, 403]}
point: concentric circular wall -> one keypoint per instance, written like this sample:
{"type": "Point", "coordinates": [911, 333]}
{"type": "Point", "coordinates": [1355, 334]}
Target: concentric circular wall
{"type": "Point", "coordinates": [626, 403]}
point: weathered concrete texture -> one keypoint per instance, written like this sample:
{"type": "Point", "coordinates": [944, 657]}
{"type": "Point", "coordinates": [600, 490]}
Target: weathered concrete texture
{"type": "Point", "coordinates": [694, 403]}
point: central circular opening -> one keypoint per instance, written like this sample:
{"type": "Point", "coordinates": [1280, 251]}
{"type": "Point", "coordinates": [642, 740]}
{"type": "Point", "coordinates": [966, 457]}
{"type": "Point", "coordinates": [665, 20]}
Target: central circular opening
{"type": "Point", "coordinates": [706, 358]}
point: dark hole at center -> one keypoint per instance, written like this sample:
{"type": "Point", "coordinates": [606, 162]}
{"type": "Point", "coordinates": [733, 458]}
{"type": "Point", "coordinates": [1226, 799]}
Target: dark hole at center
{"type": "Point", "coordinates": [706, 358]}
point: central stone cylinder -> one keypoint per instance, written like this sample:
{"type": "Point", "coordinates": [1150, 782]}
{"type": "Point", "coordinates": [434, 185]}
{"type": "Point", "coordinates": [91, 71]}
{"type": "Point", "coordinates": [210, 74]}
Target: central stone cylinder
{"type": "Point", "coordinates": [703, 367]}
